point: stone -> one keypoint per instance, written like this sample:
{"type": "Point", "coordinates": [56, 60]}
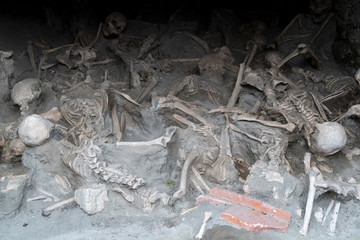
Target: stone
{"type": "Point", "coordinates": [13, 182]}
{"type": "Point", "coordinates": [272, 185]}
{"type": "Point", "coordinates": [91, 198]}
{"type": "Point", "coordinates": [328, 138]}
{"type": "Point", "coordinates": [34, 130]}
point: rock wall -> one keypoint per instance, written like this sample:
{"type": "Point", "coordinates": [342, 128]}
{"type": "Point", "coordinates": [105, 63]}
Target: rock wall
{"type": "Point", "coordinates": [347, 43]}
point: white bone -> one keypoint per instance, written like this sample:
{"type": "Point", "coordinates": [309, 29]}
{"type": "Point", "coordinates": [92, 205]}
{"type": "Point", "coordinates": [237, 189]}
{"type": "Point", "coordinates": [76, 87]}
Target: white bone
{"type": "Point", "coordinates": [162, 141]}
{"type": "Point", "coordinates": [331, 204]}
{"type": "Point", "coordinates": [335, 215]}
{"type": "Point", "coordinates": [310, 199]}
{"type": "Point", "coordinates": [207, 217]}
{"type": "Point", "coordinates": [182, 188]}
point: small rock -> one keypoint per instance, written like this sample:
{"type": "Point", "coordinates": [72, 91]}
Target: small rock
{"type": "Point", "coordinates": [328, 138]}
{"type": "Point", "coordinates": [91, 198]}
{"type": "Point", "coordinates": [34, 130]}
{"type": "Point", "coordinates": [13, 182]}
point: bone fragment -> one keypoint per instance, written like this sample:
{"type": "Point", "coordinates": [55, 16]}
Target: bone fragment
{"type": "Point", "coordinates": [237, 88]}
{"type": "Point", "coordinates": [116, 131]}
{"type": "Point", "coordinates": [331, 204]}
{"type": "Point", "coordinates": [196, 128]}
{"type": "Point", "coordinates": [313, 172]}
{"type": "Point", "coordinates": [200, 179]}
{"type": "Point", "coordinates": [53, 115]}
{"type": "Point", "coordinates": [307, 158]}
{"type": "Point", "coordinates": [290, 127]}
{"type": "Point", "coordinates": [106, 61]}
{"type": "Point", "coordinates": [127, 197]}
{"type": "Point", "coordinates": [127, 97]}
{"type": "Point", "coordinates": [207, 217]}
{"type": "Point", "coordinates": [31, 56]}
{"type": "Point", "coordinates": [227, 110]}
{"type": "Point", "coordinates": [196, 184]}
{"type": "Point", "coordinates": [57, 205]}
{"type": "Point", "coordinates": [152, 83]}
{"type": "Point", "coordinates": [236, 129]}
{"type": "Point", "coordinates": [174, 104]}
{"type": "Point", "coordinates": [182, 188]}
{"type": "Point", "coordinates": [162, 141]}
{"type": "Point", "coordinates": [185, 211]}
{"type": "Point", "coordinates": [147, 45]}
{"type": "Point", "coordinates": [335, 215]}
{"type": "Point", "coordinates": [47, 51]}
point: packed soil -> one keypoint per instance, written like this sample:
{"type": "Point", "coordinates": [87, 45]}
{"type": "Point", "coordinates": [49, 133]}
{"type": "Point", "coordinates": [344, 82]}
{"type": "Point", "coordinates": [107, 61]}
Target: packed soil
{"type": "Point", "coordinates": [172, 56]}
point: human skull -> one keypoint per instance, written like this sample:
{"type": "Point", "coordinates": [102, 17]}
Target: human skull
{"type": "Point", "coordinates": [213, 66]}
{"type": "Point", "coordinates": [328, 138]}
{"type": "Point", "coordinates": [319, 9]}
{"type": "Point", "coordinates": [34, 130]}
{"type": "Point", "coordinates": [26, 91]}
{"type": "Point", "coordinates": [115, 23]}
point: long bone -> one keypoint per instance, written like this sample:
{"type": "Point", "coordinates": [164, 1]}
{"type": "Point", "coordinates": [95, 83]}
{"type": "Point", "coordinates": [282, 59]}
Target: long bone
{"type": "Point", "coordinates": [290, 127]}
{"type": "Point", "coordinates": [332, 226]}
{"type": "Point", "coordinates": [313, 173]}
{"type": "Point", "coordinates": [207, 217]}
{"type": "Point", "coordinates": [354, 110]}
{"type": "Point", "coordinates": [162, 141]}
{"type": "Point", "coordinates": [182, 188]}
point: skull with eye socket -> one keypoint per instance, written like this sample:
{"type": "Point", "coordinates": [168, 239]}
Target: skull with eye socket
{"type": "Point", "coordinates": [319, 9]}
{"type": "Point", "coordinates": [115, 23]}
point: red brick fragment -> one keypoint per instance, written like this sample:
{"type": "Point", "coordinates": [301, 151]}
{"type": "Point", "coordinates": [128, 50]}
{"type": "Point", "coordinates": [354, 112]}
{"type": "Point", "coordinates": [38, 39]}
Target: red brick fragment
{"type": "Point", "coordinates": [253, 220]}
{"type": "Point", "coordinates": [249, 213]}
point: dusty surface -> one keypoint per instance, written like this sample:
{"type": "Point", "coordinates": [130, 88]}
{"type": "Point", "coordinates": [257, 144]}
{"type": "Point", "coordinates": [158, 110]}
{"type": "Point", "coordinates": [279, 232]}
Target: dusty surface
{"type": "Point", "coordinates": [160, 166]}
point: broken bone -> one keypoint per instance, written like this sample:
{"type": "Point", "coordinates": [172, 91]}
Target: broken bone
{"type": "Point", "coordinates": [207, 217]}
{"type": "Point", "coordinates": [182, 188]}
{"type": "Point", "coordinates": [162, 141]}
{"type": "Point", "coordinates": [290, 127]}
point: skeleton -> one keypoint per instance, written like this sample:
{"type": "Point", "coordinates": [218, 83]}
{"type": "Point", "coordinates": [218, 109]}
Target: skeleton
{"type": "Point", "coordinates": [115, 23]}
{"type": "Point", "coordinates": [82, 113]}
{"type": "Point", "coordinates": [86, 164]}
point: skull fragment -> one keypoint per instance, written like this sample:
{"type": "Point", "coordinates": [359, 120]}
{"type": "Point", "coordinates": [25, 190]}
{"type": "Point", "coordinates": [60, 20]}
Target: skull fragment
{"type": "Point", "coordinates": [115, 23]}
